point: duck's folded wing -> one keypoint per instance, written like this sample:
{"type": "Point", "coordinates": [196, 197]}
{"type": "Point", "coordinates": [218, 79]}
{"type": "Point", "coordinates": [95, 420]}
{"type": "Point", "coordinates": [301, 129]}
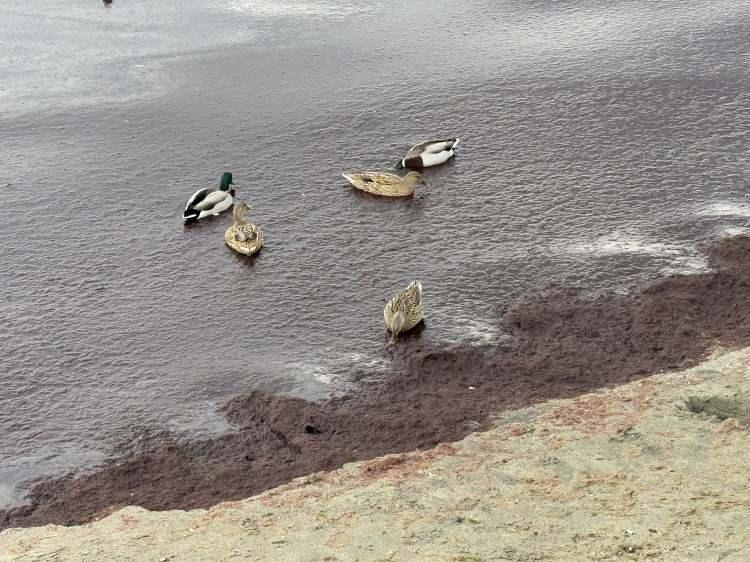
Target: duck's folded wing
{"type": "Point", "coordinates": [353, 177]}
{"type": "Point", "coordinates": [413, 295]}
{"type": "Point", "coordinates": [432, 146]}
{"type": "Point", "coordinates": [197, 197]}
{"type": "Point", "coordinates": [211, 200]}
{"type": "Point", "coordinates": [416, 288]}
{"type": "Point", "coordinates": [365, 178]}
{"type": "Point", "coordinates": [435, 147]}
{"type": "Point", "coordinates": [373, 177]}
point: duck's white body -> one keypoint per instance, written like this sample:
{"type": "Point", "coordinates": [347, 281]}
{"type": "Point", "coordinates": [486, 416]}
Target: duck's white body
{"type": "Point", "coordinates": [435, 158]}
{"type": "Point", "coordinates": [430, 153]}
{"type": "Point", "coordinates": [207, 202]}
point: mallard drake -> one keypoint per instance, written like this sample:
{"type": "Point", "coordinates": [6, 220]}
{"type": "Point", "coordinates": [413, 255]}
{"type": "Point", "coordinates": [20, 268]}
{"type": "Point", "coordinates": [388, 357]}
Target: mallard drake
{"type": "Point", "coordinates": [385, 183]}
{"type": "Point", "coordinates": [404, 311]}
{"type": "Point", "coordinates": [243, 237]}
{"type": "Point", "coordinates": [430, 153]}
{"type": "Point", "coordinates": [207, 201]}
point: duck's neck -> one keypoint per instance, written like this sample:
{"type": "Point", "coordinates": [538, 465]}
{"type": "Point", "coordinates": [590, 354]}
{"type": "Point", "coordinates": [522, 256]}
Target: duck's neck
{"type": "Point", "coordinates": [411, 182]}
{"type": "Point", "coordinates": [239, 216]}
{"type": "Point", "coordinates": [397, 322]}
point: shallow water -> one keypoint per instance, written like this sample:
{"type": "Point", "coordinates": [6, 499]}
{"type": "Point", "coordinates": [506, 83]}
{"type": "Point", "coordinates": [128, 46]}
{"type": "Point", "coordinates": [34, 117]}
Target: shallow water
{"type": "Point", "coordinates": [601, 145]}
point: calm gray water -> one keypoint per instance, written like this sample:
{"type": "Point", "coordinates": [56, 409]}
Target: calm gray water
{"type": "Point", "coordinates": [602, 142]}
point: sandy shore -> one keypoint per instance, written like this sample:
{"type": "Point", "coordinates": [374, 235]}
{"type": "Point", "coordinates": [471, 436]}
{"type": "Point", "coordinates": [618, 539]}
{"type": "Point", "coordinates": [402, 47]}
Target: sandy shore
{"type": "Point", "coordinates": [624, 473]}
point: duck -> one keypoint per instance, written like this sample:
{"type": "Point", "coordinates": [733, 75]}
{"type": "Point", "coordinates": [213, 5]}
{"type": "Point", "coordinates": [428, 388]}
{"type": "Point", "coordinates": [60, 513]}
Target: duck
{"type": "Point", "coordinates": [404, 311]}
{"type": "Point", "coordinates": [385, 183]}
{"type": "Point", "coordinates": [206, 202]}
{"type": "Point", "coordinates": [243, 237]}
{"type": "Point", "coordinates": [429, 153]}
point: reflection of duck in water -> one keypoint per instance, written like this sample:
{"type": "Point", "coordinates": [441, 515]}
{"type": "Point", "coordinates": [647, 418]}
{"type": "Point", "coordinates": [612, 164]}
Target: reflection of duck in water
{"type": "Point", "coordinates": [206, 202]}
{"type": "Point", "coordinates": [404, 311]}
{"type": "Point", "coordinates": [107, 2]}
{"type": "Point", "coordinates": [385, 183]}
{"type": "Point", "coordinates": [243, 237]}
{"type": "Point", "coordinates": [430, 153]}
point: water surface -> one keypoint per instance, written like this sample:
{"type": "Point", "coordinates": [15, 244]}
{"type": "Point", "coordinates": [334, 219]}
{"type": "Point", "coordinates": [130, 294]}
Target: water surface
{"type": "Point", "coordinates": [602, 143]}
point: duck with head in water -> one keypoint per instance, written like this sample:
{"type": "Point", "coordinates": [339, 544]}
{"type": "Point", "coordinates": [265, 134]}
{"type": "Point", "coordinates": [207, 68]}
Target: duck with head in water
{"type": "Point", "coordinates": [404, 311]}
{"type": "Point", "coordinates": [429, 153]}
{"type": "Point", "coordinates": [206, 202]}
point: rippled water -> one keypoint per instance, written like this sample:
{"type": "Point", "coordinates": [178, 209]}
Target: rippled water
{"type": "Point", "coordinates": [602, 142]}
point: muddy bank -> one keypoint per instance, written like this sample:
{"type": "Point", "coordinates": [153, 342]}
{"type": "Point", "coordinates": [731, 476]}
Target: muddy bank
{"type": "Point", "coordinates": [628, 473]}
{"type": "Point", "coordinates": [559, 344]}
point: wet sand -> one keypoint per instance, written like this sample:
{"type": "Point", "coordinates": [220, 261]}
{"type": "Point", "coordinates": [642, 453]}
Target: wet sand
{"type": "Point", "coordinates": [558, 343]}
{"type": "Point", "coordinates": [627, 473]}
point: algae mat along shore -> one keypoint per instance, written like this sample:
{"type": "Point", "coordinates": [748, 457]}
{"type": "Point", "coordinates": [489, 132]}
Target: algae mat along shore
{"type": "Point", "coordinates": [635, 472]}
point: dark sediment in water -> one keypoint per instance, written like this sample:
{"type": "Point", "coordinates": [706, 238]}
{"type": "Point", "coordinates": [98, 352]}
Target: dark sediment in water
{"type": "Point", "coordinates": [559, 344]}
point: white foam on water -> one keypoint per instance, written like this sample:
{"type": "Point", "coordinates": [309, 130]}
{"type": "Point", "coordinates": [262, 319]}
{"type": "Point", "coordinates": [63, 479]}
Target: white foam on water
{"type": "Point", "coordinates": [334, 370]}
{"type": "Point", "coordinates": [204, 420]}
{"type": "Point", "coordinates": [696, 263]}
{"type": "Point", "coordinates": [362, 360]}
{"type": "Point", "coordinates": [683, 258]}
{"type": "Point", "coordinates": [728, 231]}
{"type": "Point", "coordinates": [280, 8]}
{"type": "Point", "coordinates": [725, 209]}
{"type": "Point", "coordinates": [619, 243]}
{"type": "Point", "coordinates": [477, 332]}
{"type": "Point", "coordinates": [310, 370]}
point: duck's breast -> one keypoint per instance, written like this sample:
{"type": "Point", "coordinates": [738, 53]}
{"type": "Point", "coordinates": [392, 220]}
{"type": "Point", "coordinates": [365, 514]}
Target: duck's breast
{"type": "Point", "coordinates": [224, 204]}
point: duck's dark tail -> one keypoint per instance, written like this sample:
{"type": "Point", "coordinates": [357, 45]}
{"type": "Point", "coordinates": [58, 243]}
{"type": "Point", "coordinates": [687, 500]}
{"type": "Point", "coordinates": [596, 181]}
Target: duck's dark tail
{"type": "Point", "coordinates": [190, 215]}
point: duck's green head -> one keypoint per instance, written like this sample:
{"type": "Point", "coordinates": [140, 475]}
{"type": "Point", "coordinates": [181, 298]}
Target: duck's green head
{"type": "Point", "coordinates": [226, 181]}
